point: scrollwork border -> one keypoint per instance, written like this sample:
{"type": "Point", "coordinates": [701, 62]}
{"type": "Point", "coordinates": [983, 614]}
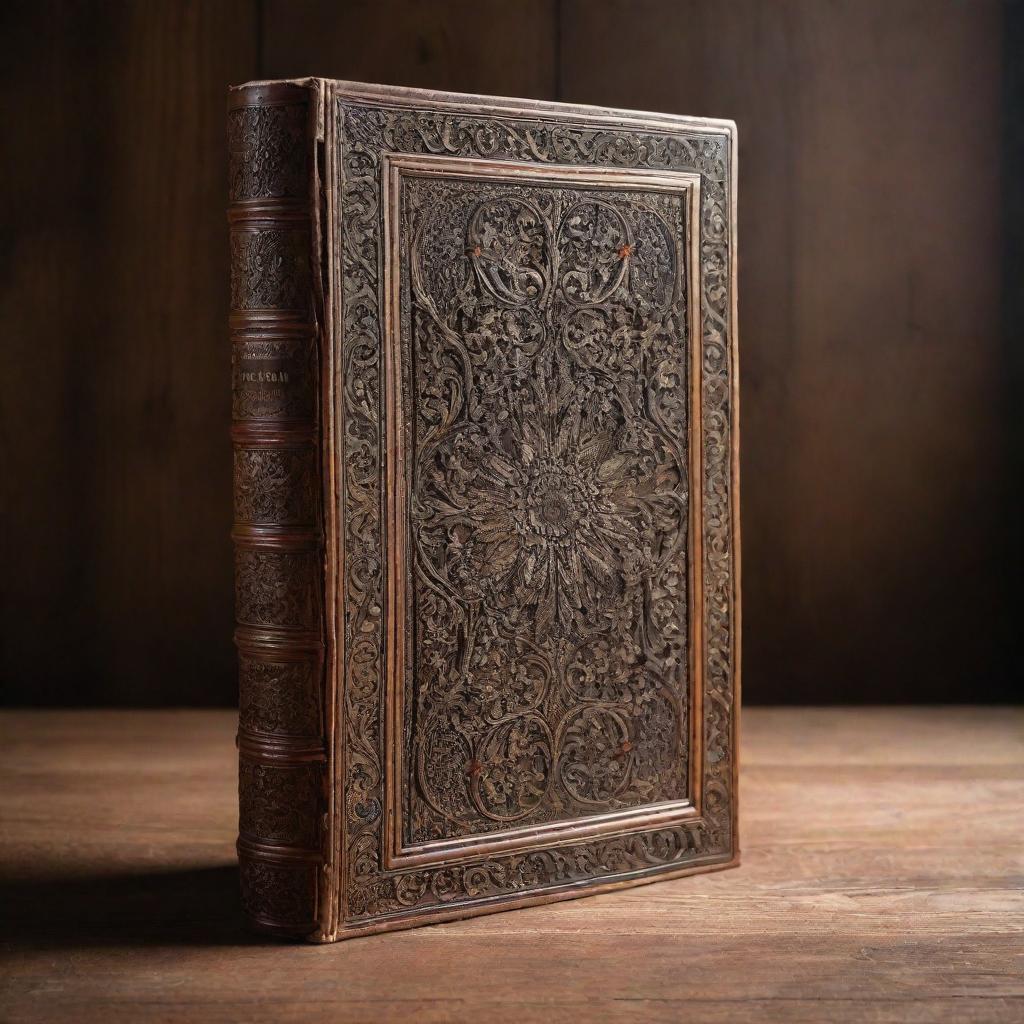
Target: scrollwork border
{"type": "Point", "coordinates": [394, 168]}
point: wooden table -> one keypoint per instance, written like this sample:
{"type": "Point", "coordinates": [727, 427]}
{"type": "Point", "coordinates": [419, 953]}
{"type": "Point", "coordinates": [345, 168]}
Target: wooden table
{"type": "Point", "coordinates": [882, 880]}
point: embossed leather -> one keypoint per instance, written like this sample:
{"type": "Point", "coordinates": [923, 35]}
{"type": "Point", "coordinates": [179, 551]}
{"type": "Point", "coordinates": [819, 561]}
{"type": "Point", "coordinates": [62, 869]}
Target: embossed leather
{"type": "Point", "coordinates": [486, 500]}
{"type": "Point", "coordinates": [278, 518]}
{"type": "Point", "coordinates": [549, 513]}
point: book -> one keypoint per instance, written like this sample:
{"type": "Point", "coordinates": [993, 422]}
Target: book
{"type": "Point", "coordinates": [485, 429]}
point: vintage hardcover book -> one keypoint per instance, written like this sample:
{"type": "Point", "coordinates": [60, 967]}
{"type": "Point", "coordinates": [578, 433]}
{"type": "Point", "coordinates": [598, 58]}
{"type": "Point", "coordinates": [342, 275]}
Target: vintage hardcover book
{"type": "Point", "coordinates": [486, 501]}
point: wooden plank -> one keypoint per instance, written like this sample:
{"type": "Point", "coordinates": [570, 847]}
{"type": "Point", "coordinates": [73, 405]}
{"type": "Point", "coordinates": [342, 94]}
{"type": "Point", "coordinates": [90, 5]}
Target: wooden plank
{"type": "Point", "coordinates": [116, 473]}
{"type": "Point", "coordinates": [869, 274]}
{"type": "Point", "coordinates": [871, 357]}
{"type": "Point", "coordinates": [879, 882]}
{"type": "Point", "coordinates": [480, 46]}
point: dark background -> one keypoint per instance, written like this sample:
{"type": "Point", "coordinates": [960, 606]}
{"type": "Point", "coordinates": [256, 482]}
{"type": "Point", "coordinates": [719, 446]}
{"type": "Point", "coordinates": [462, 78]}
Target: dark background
{"type": "Point", "coordinates": [881, 165]}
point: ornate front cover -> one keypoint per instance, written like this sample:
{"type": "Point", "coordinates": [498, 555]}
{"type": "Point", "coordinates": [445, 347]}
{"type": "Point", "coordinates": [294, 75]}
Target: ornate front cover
{"type": "Point", "coordinates": [532, 544]}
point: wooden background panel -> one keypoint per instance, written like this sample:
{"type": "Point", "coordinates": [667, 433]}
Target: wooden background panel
{"type": "Point", "coordinates": [116, 460]}
{"type": "Point", "coordinates": [869, 321]}
{"type": "Point", "coordinates": [874, 408]}
{"type": "Point", "coordinates": [1013, 315]}
{"type": "Point", "coordinates": [485, 46]}
{"type": "Point", "coordinates": [117, 469]}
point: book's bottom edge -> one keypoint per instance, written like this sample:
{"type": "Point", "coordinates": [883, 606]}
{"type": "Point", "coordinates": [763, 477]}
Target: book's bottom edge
{"type": "Point", "coordinates": [498, 905]}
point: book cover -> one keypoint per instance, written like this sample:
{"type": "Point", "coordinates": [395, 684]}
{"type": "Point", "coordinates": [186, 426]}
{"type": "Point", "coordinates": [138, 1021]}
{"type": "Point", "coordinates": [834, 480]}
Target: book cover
{"type": "Point", "coordinates": [485, 427]}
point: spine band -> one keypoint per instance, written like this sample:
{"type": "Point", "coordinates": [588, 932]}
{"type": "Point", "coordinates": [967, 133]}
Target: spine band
{"type": "Point", "coordinates": [278, 532]}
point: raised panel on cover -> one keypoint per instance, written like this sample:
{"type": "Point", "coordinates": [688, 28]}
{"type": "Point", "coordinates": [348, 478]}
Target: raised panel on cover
{"type": "Point", "coordinates": [543, 489]}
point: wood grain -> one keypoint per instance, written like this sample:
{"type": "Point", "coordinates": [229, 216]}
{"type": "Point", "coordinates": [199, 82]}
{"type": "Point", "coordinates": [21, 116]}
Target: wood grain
{"type": "Point", "coordinates": [882, 880]}
{"type": "Point", "coordinates": [480, 46]}
{"type": "Point", "coordinates": [872, 369]}
{"type": "Point", "coordinates": [114, 417]}
{"type": "Point", "coordinates": [877, 397]}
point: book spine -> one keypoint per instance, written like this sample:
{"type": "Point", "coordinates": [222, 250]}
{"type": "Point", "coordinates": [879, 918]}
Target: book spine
{"type": "Point", "coordinates": [277, 500]}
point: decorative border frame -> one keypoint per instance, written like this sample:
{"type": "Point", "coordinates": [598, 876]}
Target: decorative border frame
{"type": "Point", "coordinates": [687, 186]}
{"type": "Point", "coordinates": [364, 126]}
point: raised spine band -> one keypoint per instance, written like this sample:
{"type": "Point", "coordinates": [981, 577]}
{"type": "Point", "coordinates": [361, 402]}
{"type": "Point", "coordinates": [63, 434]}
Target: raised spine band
{"type": "Point", "coordinates": [278, 531]}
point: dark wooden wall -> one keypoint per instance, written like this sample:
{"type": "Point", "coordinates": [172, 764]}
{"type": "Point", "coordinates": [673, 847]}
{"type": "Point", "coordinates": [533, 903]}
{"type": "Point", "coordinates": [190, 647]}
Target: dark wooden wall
{"type": "Point", "coordinates": [875, 408]}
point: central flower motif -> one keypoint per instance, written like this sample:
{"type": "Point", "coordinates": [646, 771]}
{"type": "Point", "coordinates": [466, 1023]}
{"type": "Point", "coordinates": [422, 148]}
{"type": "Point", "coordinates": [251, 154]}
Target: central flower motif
{"type": "Point", "coordinates": [552, 519]}
{"type": "Point", "coordinates": [557, 497]}
{"type": "Point", "coordinates": [572, 530]}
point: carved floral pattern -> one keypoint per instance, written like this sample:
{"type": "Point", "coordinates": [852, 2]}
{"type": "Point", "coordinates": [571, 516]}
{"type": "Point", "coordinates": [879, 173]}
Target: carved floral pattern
{"type": "Point", "coordinates": [267, 152]}
{"type": "Point", "coordinates": [507, 280]}
{"type": "Point", "coordinates": [275, 485]}
{"type": "Point", "coordinates": [547, 346]}
{"type": "Point", "coordinates": [276, 588]}
{"type": "Point", "coordinates": [282, 894]}
{"type": "Point", "coordinates": [270, 269]}
{"type": "Point", "coordinates": [279, 697]}
{"type": "Point", "coordinates": [280, 804]}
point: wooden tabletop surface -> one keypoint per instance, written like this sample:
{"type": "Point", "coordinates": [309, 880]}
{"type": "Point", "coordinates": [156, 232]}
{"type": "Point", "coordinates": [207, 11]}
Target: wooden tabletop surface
{"type": "Point", "coordinates": [882, 880]}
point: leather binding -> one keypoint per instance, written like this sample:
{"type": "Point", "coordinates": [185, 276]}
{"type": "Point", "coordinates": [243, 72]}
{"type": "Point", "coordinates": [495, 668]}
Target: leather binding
{"type": "Point", "coordinates": [486, 451]}
{"type": "Point", "coordinates": [278, 519]}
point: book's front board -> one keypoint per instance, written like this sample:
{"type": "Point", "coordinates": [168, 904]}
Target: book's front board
{"type": "Point", "coordinates": [534, 537]}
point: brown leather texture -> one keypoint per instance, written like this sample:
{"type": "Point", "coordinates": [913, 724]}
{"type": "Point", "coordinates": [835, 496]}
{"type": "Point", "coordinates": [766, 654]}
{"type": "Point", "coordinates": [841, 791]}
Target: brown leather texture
{"type": "Point", "coordinates": [278, 531]}
{"type": "Point", "coordinates": [486, 502]}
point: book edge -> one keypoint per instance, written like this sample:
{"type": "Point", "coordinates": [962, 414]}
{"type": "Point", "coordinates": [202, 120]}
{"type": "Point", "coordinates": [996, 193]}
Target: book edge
{"type": "Point", "coordinates": [400, 95]}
